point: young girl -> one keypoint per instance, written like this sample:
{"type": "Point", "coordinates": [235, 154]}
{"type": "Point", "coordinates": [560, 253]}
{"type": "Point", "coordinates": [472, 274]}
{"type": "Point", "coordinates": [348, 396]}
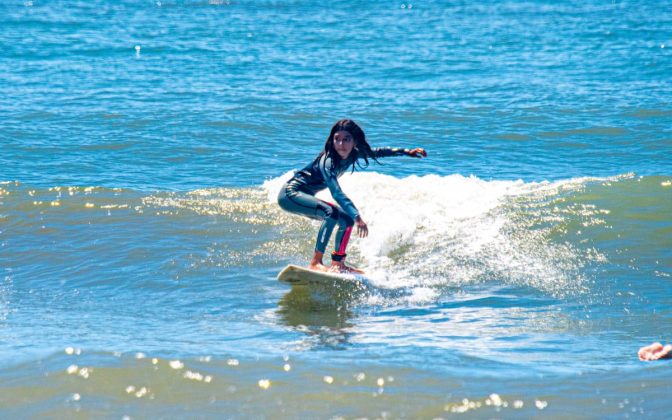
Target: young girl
{"type": "Point", "coordinates": [345, 146]}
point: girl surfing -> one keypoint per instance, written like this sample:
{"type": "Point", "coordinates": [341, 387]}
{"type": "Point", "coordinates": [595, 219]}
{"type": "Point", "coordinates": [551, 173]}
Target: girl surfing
{"type": "Point", "coordinates": [344, 148]}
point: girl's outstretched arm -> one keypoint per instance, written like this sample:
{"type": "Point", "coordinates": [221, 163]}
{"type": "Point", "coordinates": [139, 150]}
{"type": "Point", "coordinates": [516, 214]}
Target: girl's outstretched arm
{"type": "Point", "coordinates": [417, 152]}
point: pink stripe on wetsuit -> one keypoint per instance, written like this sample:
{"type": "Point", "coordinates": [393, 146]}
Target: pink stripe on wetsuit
{"type": "Point", "coordinates": [344, 240]}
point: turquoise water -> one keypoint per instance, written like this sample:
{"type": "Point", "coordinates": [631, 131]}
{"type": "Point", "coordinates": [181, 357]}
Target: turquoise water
{"type": "Point", "coordinates": [515, 271]}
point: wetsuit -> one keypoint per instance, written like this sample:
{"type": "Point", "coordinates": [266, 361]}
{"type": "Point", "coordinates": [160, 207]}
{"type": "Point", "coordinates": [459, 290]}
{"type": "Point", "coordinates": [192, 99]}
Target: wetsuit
{"type": "Point", "coordinates": [298, 196]}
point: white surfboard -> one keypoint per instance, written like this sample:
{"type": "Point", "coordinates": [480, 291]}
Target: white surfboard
{"type": "Point", "coordinates": [301, 276]}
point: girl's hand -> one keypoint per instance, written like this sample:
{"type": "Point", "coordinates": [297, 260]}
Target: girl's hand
{"type": "Point", "coordinates": [418, 152]}
{"type": "Point", "coordinates": [362, 229]}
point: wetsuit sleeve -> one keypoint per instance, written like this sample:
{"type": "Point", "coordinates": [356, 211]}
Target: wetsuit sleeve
{"type": "Point", "coordinates": [379, 152]}
{"type": "Point", "coordinates": [331, 178]}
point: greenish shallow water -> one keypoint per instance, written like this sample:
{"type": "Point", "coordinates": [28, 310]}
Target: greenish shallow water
{"type": "Point", "coordinates": [141, 386]}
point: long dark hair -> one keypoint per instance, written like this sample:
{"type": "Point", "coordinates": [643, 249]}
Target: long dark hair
{"type": "Point", "coordinates": [361, 150]}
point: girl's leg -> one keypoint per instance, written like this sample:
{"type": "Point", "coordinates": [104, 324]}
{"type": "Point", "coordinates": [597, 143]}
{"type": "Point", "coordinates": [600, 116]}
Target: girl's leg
{"type": "Point", "coordinates": [307, 205]}
{"type": "Point", "coordinates": [343, 237]}
{"type": "Point", "coordinates": [345, 224]}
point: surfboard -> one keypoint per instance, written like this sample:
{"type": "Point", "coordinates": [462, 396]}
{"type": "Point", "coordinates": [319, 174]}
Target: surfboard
{"type": "Point", "coordinates": [301, 276]}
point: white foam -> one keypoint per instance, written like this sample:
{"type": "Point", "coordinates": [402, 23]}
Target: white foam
{"type": "Point", "coordinates": [428, 231]}
{"type": "Point", "coordinates": [272, 186]}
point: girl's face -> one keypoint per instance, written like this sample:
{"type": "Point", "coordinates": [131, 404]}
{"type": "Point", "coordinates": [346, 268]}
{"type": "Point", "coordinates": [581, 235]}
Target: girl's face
{"type": "Point", "coordinates": [343, 143]}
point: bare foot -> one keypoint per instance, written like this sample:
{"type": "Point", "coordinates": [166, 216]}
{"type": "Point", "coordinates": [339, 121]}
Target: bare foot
{"type": "Point", "coordinates": [655, 351]}
{"type": "Point", "coordinates": [318, 267]}
{"type": "Point", "coordinates": [354, 270]}
{"type": "Point", "coordinates": [344, 269]}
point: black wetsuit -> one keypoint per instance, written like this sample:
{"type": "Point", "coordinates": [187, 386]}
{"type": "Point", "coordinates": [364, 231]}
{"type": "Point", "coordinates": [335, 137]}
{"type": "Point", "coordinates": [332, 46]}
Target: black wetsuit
{"type": "Point", "coordinates": [298, 196]}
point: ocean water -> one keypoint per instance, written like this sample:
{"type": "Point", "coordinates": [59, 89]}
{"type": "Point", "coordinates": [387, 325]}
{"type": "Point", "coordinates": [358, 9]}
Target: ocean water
{"type": "Point", "coordinates": [514, 272]}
